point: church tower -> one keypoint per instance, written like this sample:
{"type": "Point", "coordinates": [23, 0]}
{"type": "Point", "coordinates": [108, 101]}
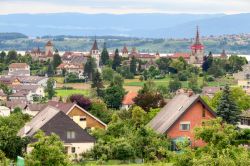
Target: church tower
{"type": "Point", "coordinates": [197, 50]}
{"type": "Point", "coordinates": [49, 49]}
{"type": "Point", "coordinates": [95, 53]}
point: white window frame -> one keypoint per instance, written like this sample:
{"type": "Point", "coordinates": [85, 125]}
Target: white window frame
{"type": "Point", "coordinates": [185, 123]}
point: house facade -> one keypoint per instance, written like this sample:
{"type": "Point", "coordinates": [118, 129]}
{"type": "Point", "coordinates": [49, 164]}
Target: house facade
{"type": "Point", "coordinates": [19, 69]}
{"type": "Point", "coordinates": [82, 117]}
{"type": "Point", "coordinates": [245, 120]}
{"type": "Point", "coordinates": [180, 116]}
{"type": "Point", "coordinates": [76, 140]}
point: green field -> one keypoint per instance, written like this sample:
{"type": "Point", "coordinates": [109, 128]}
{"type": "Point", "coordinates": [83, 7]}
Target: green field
{"type": "Point", "coordinates": [69, 92]}
{"type": "Point", "coordinates": [218, 82]}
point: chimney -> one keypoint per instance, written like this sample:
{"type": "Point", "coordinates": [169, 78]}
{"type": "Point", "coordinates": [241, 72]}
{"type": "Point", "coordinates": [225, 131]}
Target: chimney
{"type": "Point", "coordinates": [190, 93]}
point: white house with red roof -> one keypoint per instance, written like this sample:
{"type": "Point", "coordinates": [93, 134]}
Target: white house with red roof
{"type": "Point", "coordinates": [127, 101]}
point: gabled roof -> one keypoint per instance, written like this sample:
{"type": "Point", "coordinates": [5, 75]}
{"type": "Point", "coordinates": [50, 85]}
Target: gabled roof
{"type": "Point", "coordinates": [65, 107]}
{"type": "Point", "coordinates": [51, 120]}
{"type": "Point", "coordinates": [181, 54]}
{"type": "Point", "coordinates": [174, 110]}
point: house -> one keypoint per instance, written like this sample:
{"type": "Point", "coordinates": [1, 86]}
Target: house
{"type": "Point", "coordinates": [180, 116]}
{"type": "Point", "coordinates": [20, 95]}
{"type": "Point", "coordinates": [33, 109]}
{"type": "Point", "coordinates": [19, 69]}
{"type": "Point", "coordinates": [127, 101]}
{"type": "Point", "coordinates": [245, 85]}
{"type": "Point", "coordinates": [244, 74]}
{"type": "Point", "coordinates": [210, 90]}
{"type": "Point", "coordinates": [9, 80]}
{"type": "Point", "coordinates": [51, 120]}
{"type": "Point", "coordinates": [70, 68]}
{"type": "Point", "coordinates": [29, 91]}
{"type": "Point", "coordinates": [245, 120]}
{"type": "Point", "coordinates": [4, 111]}
{"type": "Point", "coordinates": [33, 80]}
{"type": "Point", "coordinates": [16, 103]}
{"type": "Point", "coordinates": [37, 54]}
{"type": "Point", "coordinates": [82, 117]}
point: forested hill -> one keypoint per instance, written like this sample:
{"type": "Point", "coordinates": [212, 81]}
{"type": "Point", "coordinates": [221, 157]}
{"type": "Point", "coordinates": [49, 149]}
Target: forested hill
{"type": "Point", "coordinates": [11, 36]}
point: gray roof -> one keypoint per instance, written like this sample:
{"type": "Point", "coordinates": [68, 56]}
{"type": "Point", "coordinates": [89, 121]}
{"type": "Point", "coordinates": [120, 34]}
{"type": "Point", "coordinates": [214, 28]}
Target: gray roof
{"type": "Point", "coordinates": [31, 79]}
{"type": "Point", "coordinates": [31, 88]}
{"type": "Point", "coordinates": [245, 114]}
{"type": "Point", "coordinates": [51, 120]}
{"type": "Point", "coordinates": [170, 113]}
{"type": "Point", "coordinates": [39, 120]}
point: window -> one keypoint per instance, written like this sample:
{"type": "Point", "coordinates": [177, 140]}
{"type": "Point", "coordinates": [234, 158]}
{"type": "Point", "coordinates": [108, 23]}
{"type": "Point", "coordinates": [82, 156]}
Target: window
{"type": "Point", "coordinates": [73, 150]}
{"type": "Point", "coordinates": [82, 118]}
{"type": "Point", "coordinates": [185, 126]}
{"type": "Point", "coordinates": [71, 135]}
{"type": "Point", "coordinates": [203, 113]}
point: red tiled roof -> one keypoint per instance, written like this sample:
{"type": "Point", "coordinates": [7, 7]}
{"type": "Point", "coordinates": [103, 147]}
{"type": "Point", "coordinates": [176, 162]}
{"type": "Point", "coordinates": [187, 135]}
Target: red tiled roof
{"type": "Point", "coordinates": [128, 98]}
{"type": "Point", "coordinates": [179, 54]}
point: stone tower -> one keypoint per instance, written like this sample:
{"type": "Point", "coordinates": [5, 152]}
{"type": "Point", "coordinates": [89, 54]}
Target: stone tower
{"type": "Point", "coordinates": [197, 50]}
{"type": "Point", "coordinates": [95, 53]}
{"type": "Point", "coordinates": [49, 49]}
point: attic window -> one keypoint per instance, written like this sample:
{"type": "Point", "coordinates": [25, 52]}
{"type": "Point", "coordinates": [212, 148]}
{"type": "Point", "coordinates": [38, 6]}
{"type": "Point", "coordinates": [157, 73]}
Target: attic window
{"type": "Point", "coordinates": [71, 135]}
{"type": "Point", "coordinates": [82, 118]}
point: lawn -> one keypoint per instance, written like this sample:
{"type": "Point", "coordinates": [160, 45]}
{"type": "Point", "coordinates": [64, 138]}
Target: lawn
{"type": "Point", "coordinates": [69, 92]}
{"type": "Point", "coordinates": [218, 82]}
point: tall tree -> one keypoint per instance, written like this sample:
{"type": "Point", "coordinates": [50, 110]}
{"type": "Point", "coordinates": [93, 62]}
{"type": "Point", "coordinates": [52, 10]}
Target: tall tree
{"type": "Point", "coordinates": [133, 65]}
{"type": "Point", "coordinates": [50, 70]}
{"type": "Point", "coordinates": [117, 60]}
{"type": "Point", "coordinates": [47, 150]}
{"type": "Point", "coordinates": [114, 95]}
{"type": "Point", "coordinates": [90, 67]}
{"type": "Point", "coordinates": [208, 61]}
{"type": "Point", "coordinates": [12, 56]}
{"type": "Point", "coordinates": [56, 60]}
{"type": "Point", "coordinates": [50, 88]}
{"type": "Point", "coordinates": [104, 55]}
{"type": "Point", "coordinates": [227, 108]}
{"type": "Point", "coordinates": [97, 83]}
{"type": "Point", "coordinates": [2, 56]}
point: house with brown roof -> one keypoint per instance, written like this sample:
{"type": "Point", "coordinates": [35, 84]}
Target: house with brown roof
{"type": "Point", "coordinates": [9, 80]}
{"type": "Point", "coordinates": [70, 68]}
{"type": "Point", "coordinates": [82, 117]}
{"type": "Point", "coordinates": [127, 101]}
{"type": "Point", "coordinates": [180, 116]}
{"type": "Point", "coordinates": [210, 91]}
{"type": "Point", "coordinates": [51, 120]}
{"type": "Point", "coordinates": [45, 55]}
{"type": "Point", "coordinates": [19, 69]}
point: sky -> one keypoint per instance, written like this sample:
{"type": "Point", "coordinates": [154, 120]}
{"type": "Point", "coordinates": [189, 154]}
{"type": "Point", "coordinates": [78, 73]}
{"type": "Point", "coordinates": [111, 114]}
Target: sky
{"type": "Point", "coordinates": [125, 6]}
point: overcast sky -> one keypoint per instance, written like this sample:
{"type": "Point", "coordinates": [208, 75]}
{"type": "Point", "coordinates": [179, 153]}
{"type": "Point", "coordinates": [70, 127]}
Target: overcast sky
{"type": "Point", "coordinates": [125, 6]}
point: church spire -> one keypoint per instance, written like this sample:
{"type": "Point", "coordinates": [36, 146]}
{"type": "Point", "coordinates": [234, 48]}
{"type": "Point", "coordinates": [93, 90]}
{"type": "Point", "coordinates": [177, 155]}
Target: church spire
{"type": "Point", "coordinates": [197, 38]}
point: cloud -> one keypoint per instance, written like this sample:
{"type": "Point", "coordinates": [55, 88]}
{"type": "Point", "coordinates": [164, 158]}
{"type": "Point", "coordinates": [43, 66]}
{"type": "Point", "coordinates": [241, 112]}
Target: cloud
{"type": "Point", "coordinates": [125, 6]}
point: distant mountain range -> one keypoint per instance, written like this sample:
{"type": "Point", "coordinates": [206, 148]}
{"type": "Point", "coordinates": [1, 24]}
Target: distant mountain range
{"type": "Point", "coordinates": [136, 25]}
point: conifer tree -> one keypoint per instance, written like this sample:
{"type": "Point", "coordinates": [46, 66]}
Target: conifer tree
{"type": "Point", "coordinates": [133, 65]}
{"type": "Point", "coordinates": [56, 60]}
{"type": "Point", "coordinates": [90, 67]}
{"type": "Point", "coordinates": [117, 60]}
{"type": "Point", "coordinates": [227, 108]}
{"type": "Point", "coordinates": [104, 55]}
{"type": "Point", "coordinates": [97, 83]}
{"type": "Point", "coordinates": [50, 71]}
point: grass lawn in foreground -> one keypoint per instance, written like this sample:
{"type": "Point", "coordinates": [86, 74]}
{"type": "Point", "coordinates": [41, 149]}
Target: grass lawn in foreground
{"type": "Point", "coordinates": [69, 92]}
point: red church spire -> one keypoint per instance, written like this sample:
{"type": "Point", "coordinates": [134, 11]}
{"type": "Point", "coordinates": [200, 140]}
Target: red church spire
{"type": "Point", "coordinates": [197, 44]}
